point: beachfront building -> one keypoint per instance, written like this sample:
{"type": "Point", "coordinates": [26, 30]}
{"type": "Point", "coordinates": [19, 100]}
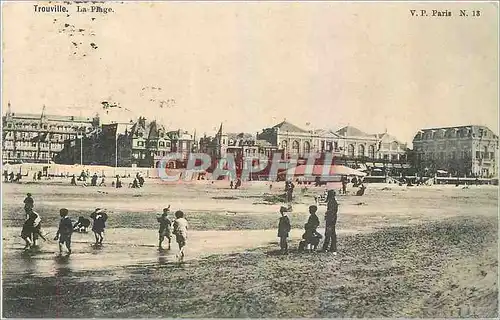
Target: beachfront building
{"type": "Point", "coordinates": [290, 140]}
{"type": "Point", "coordinates": [239, 144]}
{"type": "Point", "coordinates": [349, 145]}
{"type": "Point", "coordinates": [470, 151]}
{"type": "Point", "coordinates": [183, 143]}
{"type": "Point", "coordinates": [39, 138]}
{"type": "Point", "coordinates": [134, 144]}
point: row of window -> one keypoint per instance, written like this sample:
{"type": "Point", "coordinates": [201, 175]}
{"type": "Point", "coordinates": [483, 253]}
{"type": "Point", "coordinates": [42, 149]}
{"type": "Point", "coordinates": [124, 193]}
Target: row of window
{"type": "Point", "coordinates": [153, 144]}
{"type": "Point", "coordinates": [36, 126]}
{"type": "Point", "coordinates": [166, 144]}
{"type": "Point", "coordinates": [28, 155]}
{"type": "Point", "coordinates": [466, 154]}
{"type": "Point", "coordinates": [445, 155]}
{"type": "Point", "coordinates": [485, 155]}
{"type": "Point", "coordinates": [31, 135]}
{"type": "Point", "coordinates": [451, 133]}
{"type": "Point", "coordinates": [29, 144]}
{"type": "Point", "coordinates": [329, 147]}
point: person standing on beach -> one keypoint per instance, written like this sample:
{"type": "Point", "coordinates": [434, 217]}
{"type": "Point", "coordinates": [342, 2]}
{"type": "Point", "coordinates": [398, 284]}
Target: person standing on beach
{"type": "Point", "coordinates": [99, 217]}
{"type": "Point", "coordinates": [180, 232]}
{"type": "Point", "coordinates": [165, 226]}
{"type": "Point", "coordinates": [36, 225]}
{"type": "Point", "coordinates": [65, 231]}
{"type": "Point", "coordinates": [31, 230]}
{"type": "Point", "coordinates": [29, 204]}
{"type": "Point", "coordinates": [283, 230]}
{"type": "Point", "coordinates": [330, 244]}
{"type": "Point", "coordinates": [344, 184]}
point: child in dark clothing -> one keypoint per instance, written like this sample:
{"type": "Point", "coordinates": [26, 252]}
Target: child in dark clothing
{"type": "Point", "coordinates": [165, 226]}
{"type": "Point", "coordinates": [28, 204]}
{"type": "Point", "coordinates": [30, 229]}
{"type": "Point", "coordinates": [99, 217]}
{"type": "Point", "coordinates": [81, 225]}
{"type": "Point", "coordinates": [311, 236]}
{"type": "Point", "coordinates": [283, 230]}
{"type": "Point", "coordinates": [65, 231]}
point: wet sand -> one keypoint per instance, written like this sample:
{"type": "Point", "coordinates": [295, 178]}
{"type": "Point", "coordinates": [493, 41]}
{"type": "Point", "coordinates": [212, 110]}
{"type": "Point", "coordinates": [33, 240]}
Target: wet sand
{"type": "Point", "coordinates": [402, 252]}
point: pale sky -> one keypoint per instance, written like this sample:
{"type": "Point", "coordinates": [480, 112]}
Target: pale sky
{"type": "Point", "coordinates": [250, 65]}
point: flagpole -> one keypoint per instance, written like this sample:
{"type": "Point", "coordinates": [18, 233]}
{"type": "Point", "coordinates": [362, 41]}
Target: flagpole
{"type": "Point", "coordinates": [116, 148]}
{"type": "Point", "coordinates": [81, 148]}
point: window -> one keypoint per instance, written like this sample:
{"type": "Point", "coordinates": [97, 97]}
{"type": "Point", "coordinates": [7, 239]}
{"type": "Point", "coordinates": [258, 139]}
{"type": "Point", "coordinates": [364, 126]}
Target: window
{"type": "Point", "coordinates": [371, 152]}
{"type": "Point", "coordinates": [307, 147]}
{"type": "Point", "coordinates": [162, 144]}
{"type": "Point", "coordinates": [329, 146]}
{"type": "Point", "coordinates": [284, 145]}
{"type": "Point", "coordinates": [394, 157]}
{"type": "Point", "coordinates": [478, 155]}
{"type": "Point", "coordinates": [140, 143]}
{"type": "Point", "coordinates": [350, 150]}
{"type": "Point", "coordinates": [492, 155]}
{"type": "Point", "coordinates": [386, 157]}
{"type": "Point", "coordinates": [295, 147]}
{"type": "Point", "coordinates": [361, 150]}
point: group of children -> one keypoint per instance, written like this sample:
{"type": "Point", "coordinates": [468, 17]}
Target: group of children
{"type": "Point", "coordinates": [32, 227]}
{"type": "Point", "coordinates": [311, 237]}
{"type": "Point", "coordinates": [178, 228]}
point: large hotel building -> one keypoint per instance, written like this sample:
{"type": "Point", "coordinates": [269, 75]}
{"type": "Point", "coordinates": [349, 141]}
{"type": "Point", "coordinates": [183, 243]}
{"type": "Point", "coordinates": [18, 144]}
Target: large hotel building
{"type": "Point", "coordinates": [464, 150]}
{"type": "Point", "coordinates": [38, 138]}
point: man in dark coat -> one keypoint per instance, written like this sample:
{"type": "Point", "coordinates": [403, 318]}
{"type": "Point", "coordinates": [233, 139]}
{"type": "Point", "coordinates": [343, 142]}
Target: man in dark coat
{"type": "Point", "coordinates": [330, 222]}
{"type": "Point", "coordinates": [283, 230]}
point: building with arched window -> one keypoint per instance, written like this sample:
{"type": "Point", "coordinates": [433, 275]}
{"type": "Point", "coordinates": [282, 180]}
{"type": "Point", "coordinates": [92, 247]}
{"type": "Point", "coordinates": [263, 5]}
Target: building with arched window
{"type": "Point", "coordinates": [348, 145]}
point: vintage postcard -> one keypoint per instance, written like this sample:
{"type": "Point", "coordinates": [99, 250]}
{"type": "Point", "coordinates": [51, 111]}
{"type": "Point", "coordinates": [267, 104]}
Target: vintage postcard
{"type": "Point", "coordinates": [237, 159]}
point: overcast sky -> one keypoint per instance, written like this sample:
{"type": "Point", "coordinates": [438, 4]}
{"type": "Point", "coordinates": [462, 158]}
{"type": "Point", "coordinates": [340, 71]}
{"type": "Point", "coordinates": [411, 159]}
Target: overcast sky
{"type": "Point", "coordinates": [250, 65]}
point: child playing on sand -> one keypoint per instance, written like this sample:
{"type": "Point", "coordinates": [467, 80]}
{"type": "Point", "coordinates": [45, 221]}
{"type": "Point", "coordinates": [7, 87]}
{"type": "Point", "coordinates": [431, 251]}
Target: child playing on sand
{"type": "Point", "coordinates": [99, 217]}
{"type": "Point", "coordinates": [180, 232]}
{"type": "Point", "coordinates": [30, 229]}
{"type": "Point", "coordinates": [165, 225]}
{"type": "Point", "coordinates": [65, 231]}
{"type": "Point", "coordinates": [283, 230]}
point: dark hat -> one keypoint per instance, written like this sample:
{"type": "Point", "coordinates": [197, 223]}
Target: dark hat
{"type": "Point", "coordinates": [28, 194]}
{"type": "Point", "coordinates": [63, 211]}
